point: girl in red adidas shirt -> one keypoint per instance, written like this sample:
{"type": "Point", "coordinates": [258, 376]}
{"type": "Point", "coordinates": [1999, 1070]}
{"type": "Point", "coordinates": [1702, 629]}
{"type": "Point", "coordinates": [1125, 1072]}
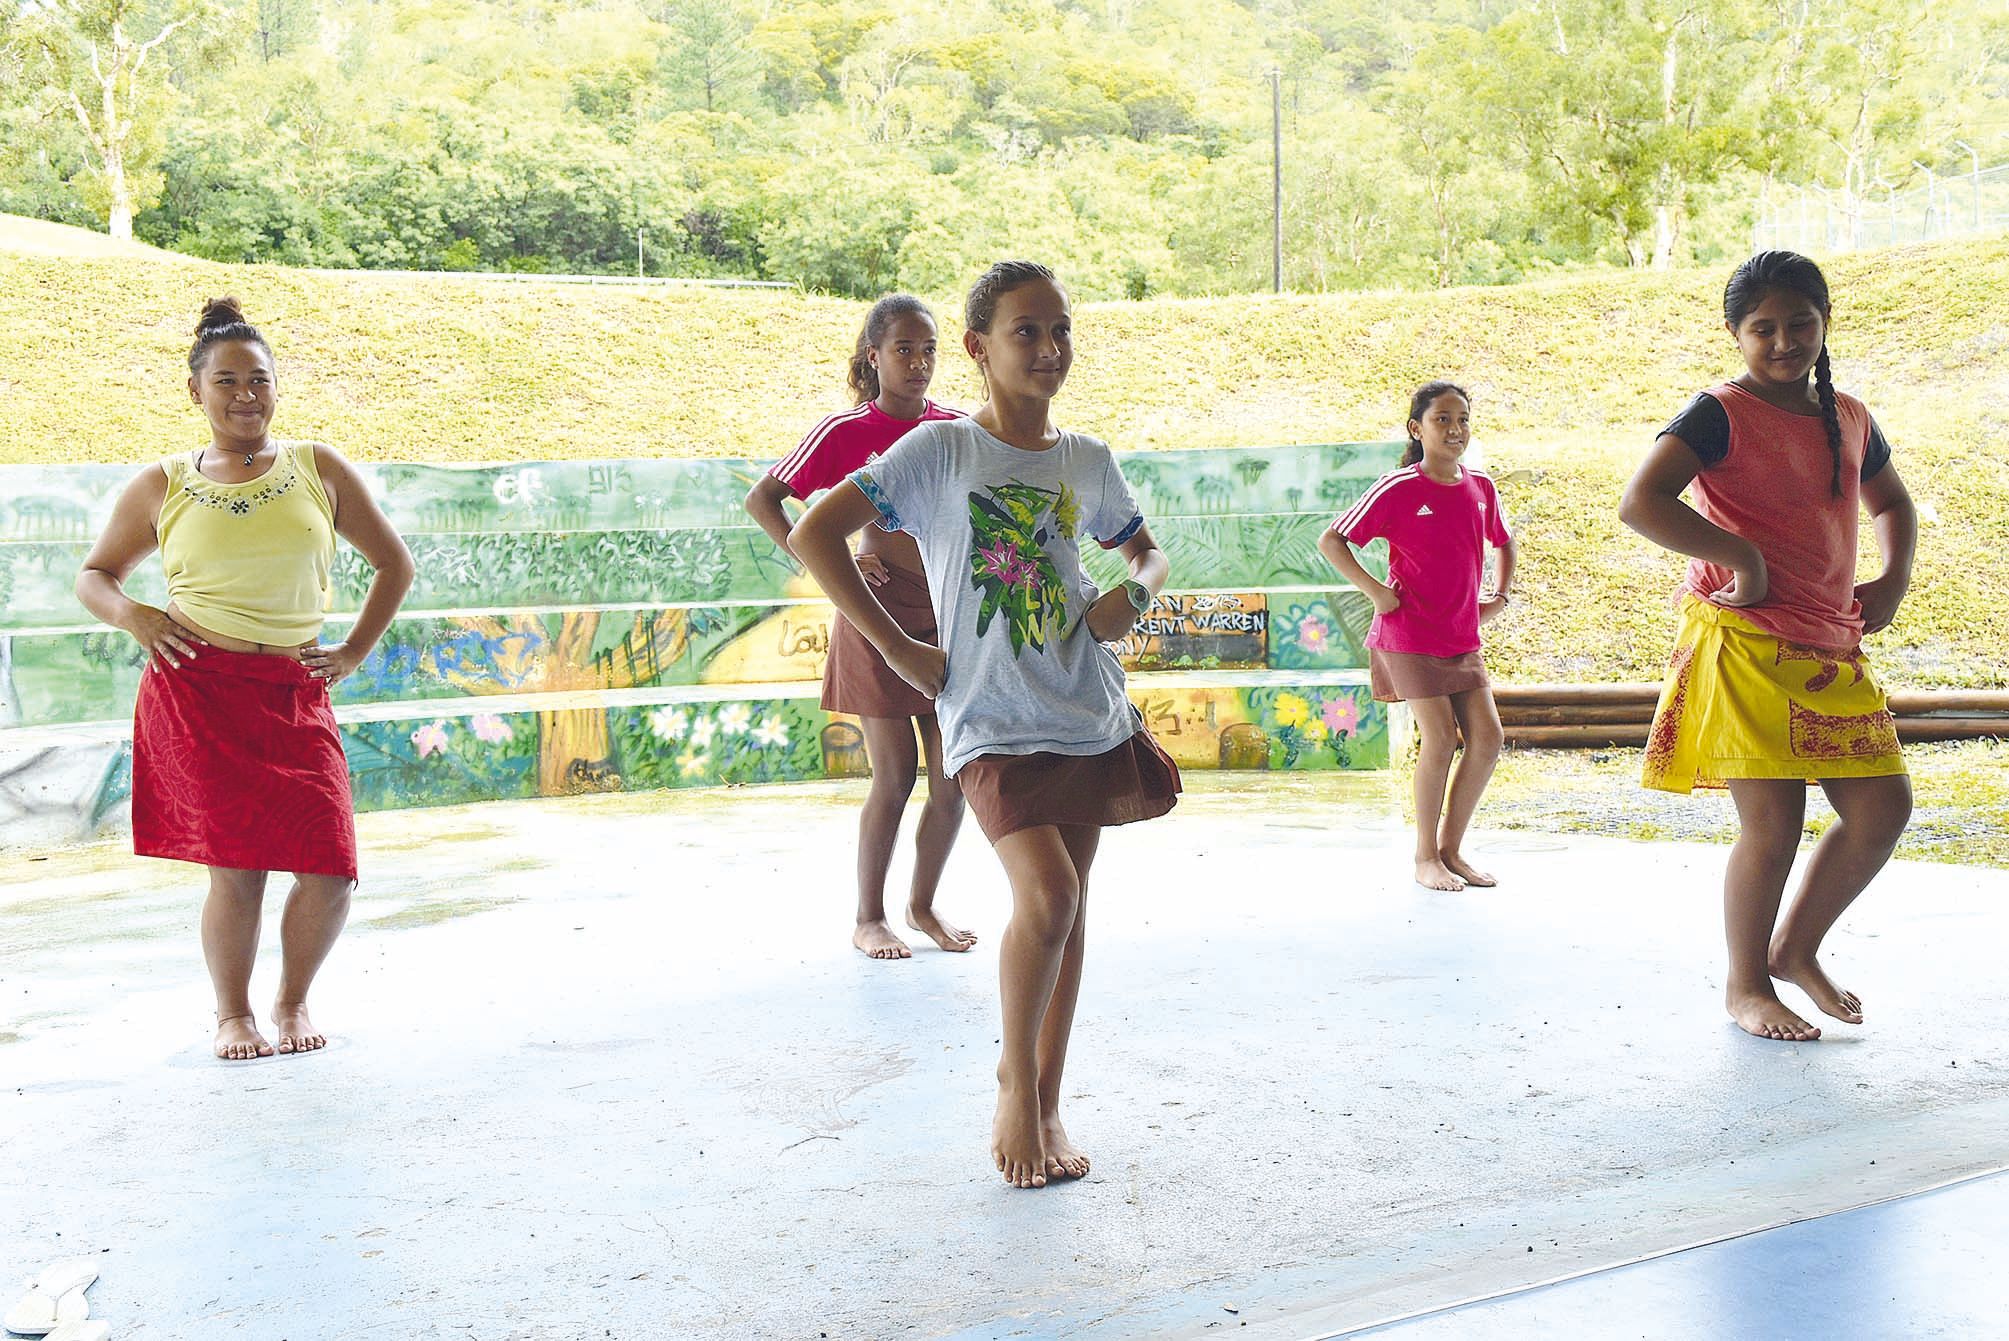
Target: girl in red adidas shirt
{"type": "Point", "coordinates": [890, 371]}
{"type": "Point", "coordinates": [1437, 516]}
{"type": "Point", "coordinates": [1767, 691]}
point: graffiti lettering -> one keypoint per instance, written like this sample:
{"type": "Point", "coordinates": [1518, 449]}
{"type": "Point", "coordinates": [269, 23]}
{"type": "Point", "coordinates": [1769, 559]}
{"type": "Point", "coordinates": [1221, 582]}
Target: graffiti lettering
{"type": "Point", "coordinates": [518, 486]}
{"type": "Point", "coordinates": [803, 640]}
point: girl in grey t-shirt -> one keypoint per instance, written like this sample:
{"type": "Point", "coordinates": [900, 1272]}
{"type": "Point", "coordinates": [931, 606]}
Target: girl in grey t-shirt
{"type": "Point", "coordinates": [1035, 722]}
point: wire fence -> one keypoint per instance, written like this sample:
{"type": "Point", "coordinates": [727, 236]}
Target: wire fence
{"type": "Point", "coordinates": [1814, 219]}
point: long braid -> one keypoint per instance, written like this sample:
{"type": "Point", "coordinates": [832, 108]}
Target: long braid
{"type": "Point", "coordinates": [1824, 384]}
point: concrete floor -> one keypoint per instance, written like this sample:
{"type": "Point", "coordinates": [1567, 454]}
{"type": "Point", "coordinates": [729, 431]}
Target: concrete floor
{"type": "Point", "coordinates": [1926, 1265]}
{"type": "Point", "coordinates": [609, 1068]}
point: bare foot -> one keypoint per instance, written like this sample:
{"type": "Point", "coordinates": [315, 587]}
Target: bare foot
{"type": "Point", "coordinates": [953, 939]}
{"type": "Point", "coordinates": [1063, 1158]}
{"type": "Point", "coordinates": [1434, 875]}
{"type": "Point", "coordinates": [296, 1032]}
{"type": "Point", "coordinates": [877, 940]}
{"type": "Point", "coordinates": [1015, 1143]}
{"type": "Point", "coordinates": [1763, 1014]}
{"type": "Point", "coordinates": [1466, 871]}
{"type": "Point", "coordinates": [1807, 975]}
{"type": "Point", "coordinates": [238, 1039]}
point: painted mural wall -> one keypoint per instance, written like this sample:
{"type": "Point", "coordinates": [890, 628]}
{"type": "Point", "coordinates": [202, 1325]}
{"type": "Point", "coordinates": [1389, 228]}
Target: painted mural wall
{"type": "Point", "coordinates": [662, 588]}
{"type": "Point", "coordinates": [56, 678]}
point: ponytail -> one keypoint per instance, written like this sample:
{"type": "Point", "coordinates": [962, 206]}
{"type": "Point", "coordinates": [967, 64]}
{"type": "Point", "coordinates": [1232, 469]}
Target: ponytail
{"type": "Point", "coordinates": [1419, 405]}
{"type": "Point", "coordinates": [862, 377]}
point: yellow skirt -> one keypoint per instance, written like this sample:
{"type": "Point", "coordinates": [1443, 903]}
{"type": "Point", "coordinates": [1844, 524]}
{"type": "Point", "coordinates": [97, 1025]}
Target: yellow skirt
{"type": "Point", "coordinates": [1740, 703]}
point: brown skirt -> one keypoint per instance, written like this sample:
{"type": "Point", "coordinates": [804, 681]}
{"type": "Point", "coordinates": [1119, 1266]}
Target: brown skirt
{"type": "Point", "coordinates": [856, 679]}
{"type": "Point", "coordinates": [1007, 792]}
{"type": "Point", "coordinates": [1399, 676]}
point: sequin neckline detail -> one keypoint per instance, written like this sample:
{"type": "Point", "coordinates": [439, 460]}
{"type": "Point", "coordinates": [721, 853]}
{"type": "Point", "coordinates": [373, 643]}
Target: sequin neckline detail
{"type": "Point", "coordinates": [244, 498]}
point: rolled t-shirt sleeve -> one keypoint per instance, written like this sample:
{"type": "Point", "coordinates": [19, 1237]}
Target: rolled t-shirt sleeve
{"type": "Point", "coordinates": [1115, 516]}
{"type": "Point", "coordinates": [904, 483]}
{"type": "Point", "coordinates": [1704, 425]}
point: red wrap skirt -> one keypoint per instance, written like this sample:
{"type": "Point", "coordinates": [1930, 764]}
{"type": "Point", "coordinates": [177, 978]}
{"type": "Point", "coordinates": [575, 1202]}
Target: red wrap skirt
{"type": "Point", "coordinates": [237, 762]}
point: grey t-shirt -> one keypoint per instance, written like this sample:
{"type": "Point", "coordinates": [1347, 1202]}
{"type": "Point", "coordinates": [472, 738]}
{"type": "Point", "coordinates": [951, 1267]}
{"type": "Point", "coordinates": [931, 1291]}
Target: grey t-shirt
{"type": "Point", "coordinates": [999, 531]}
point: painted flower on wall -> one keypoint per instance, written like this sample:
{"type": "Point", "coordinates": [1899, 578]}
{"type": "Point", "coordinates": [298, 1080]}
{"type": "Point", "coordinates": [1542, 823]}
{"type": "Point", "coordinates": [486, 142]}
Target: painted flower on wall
{"type": "Point", "coordinates": [1292, 710]}
{"type": "Point", "coordinates": [691, 761]}
{"type": "Point", "coordinates": [1314, 635]}
{"type": "Point", "coordinates": [430, 739]}
{"type": "Point", "coordinates": [668, 723]}
{"type": "Point", "coordinates": [703, 731]}
{"type": "Point", "coordinates": [771, 733]}
{"type": "Point", "coordinates": [489, 728]}
{"type": "Point", "coordinates": [734, 718]}
{"type": "Point", "coordinates": [1341, 715]}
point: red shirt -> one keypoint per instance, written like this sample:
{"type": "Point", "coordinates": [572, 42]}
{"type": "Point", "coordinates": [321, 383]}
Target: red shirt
{"type": "Point", "coordinates": [1437, 536]}
{"type": "Point", "coordinates": [845, 441]}
{"type": "Point", "coordinates": [1774, 488]}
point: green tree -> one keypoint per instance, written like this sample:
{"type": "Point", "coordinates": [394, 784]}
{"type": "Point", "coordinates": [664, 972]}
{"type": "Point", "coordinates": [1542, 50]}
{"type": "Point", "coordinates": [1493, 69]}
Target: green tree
{"type": "Point", "coordinates": [110, 64]}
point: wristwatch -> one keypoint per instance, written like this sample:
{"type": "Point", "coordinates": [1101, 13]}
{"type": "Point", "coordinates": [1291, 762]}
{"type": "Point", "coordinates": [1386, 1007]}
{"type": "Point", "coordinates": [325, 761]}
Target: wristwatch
{"type": "Point", "coordinates": [1139, 594]}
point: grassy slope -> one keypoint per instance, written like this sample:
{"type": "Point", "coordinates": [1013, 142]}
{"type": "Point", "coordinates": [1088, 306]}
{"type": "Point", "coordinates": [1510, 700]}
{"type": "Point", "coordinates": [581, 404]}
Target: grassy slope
{"type": "Point", "coordinates": [1572, 377]}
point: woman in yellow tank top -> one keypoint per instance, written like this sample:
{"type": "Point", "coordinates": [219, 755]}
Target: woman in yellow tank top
{"type": "Point", "coordinates": [237, 760]}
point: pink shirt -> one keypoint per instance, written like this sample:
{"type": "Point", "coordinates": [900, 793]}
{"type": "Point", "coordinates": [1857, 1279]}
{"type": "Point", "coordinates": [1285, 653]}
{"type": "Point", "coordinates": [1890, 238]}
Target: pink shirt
{"type": "Point", "coordinates": [1774, 489]}
{"type": "Point", "coordinates": [1437, 536]}
{"type": "Point", "coordinates": [845, 441]}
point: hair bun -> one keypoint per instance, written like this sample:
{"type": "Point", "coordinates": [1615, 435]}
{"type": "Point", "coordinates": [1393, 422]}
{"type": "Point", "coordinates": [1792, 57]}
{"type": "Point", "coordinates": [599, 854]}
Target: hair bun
{"type": "Point", "coordinates": [220, 312]}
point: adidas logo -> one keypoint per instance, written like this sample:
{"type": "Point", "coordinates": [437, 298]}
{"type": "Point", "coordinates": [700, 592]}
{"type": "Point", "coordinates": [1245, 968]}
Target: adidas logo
{"type": "Point", "coordinates": [1425, 511]}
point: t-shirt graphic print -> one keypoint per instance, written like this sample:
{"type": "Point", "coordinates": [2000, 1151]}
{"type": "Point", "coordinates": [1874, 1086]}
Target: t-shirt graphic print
{"type": "Point", "coordinates": [1010, 526]}
{"type": "Point", "coordinates": [1000, 530]}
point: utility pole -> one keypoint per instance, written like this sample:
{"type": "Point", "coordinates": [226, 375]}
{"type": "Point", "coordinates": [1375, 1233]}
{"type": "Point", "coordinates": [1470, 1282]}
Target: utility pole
{"type": "Point", "coordinates": [1276, 180]}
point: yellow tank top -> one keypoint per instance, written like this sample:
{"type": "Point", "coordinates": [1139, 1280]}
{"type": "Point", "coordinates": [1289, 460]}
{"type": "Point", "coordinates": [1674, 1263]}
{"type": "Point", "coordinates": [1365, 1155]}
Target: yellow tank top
{"type": "Point", "coordinates": [249, 560]}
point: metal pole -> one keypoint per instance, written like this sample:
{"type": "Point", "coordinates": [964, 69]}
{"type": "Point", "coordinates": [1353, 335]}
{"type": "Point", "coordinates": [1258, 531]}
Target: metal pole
{"type": "Point", "coordinates": [1276, 180]}
{"type": "Point", "coordinates": [1975, 177]}
{"type": "Point", "coordinates": [1931, 196]}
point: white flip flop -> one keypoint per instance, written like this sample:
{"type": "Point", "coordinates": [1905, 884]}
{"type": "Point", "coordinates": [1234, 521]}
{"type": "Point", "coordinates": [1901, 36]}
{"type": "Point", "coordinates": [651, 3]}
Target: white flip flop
{"type": "Point", "coordinates": [40, 1311]}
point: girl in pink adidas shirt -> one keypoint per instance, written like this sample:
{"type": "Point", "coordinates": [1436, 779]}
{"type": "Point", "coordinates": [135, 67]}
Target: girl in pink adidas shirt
{"type": "Point", "coordinates": [891, 367]}
{"type": "Point", "coordinates": [1437, 516]}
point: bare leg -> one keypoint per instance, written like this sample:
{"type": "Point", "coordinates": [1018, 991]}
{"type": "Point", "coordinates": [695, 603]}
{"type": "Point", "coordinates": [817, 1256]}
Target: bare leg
{"type": "Point", "coordinates": [317, 908]}
{"type": "Point", "coordinates": [1870, 815]}
{"type": "Point", "coordinates": [1437, 728]}
{"type": "Point", "coordinates": [1063, 1158]}
{"type": "Point", "coordinates": [230, 920]}
{"type": "Point", "coordinates": [1046, 900]}
{"type": "Point", "coordinates": [941, 817]}
{"type": "Point", "coordinates": [1479, 723]}
{"type": "Point", "coordinates": [1770, 812]}
{"type": "Point", "coordinates": [889, 744]}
